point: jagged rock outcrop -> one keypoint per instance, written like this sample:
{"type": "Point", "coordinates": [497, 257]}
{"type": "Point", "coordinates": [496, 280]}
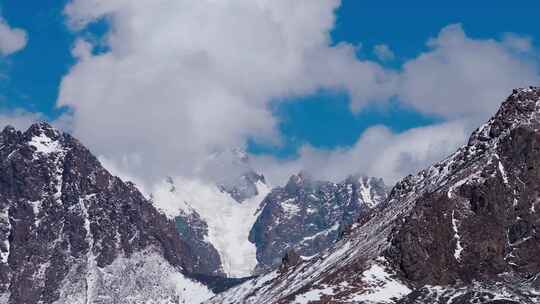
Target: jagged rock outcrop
{"type": "Point", "coordinates": [70, 232]}
{"type": "Point", "coordinates": [461, 231]}
{"type": "Point", "coordinates": [308, 216]}
{"type": "Point", "coordinates": [194, 231]}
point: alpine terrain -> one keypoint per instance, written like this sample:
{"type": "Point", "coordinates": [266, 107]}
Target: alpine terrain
{"type": "Point", "coordinates": [461, 231]}
{"type": "Point", "coordinates": [307, 216]}
{"type": "Point", "coordinates": [243, 227]}
{"type": "Point", "coordinates": [72, 233]}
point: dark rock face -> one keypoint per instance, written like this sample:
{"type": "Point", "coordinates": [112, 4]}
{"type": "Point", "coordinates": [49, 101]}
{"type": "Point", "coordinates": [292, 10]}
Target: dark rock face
{"type": "Point", "coordinates": [63, 219]}
{"type": "Point", "coordinates": [307, 216]}
{"type": "Point", "coordinates": [290, 259]}
{"type": "Point", "coordinates": [461, 231]}
{"type": "Point", "coordinates": [194, 230]}
{"type": "Point", "coordinates": [489, 215]}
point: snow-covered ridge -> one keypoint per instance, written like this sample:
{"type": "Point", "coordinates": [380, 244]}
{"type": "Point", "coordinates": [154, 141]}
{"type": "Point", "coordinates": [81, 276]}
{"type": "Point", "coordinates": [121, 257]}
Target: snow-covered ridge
{"type": "Point", "coordinates": [229, 221]}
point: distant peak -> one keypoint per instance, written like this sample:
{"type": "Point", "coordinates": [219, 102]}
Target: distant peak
{"type": "Point", "coordinates": [42, 128]}
{"type": "Point", "coordinates": [521, 108]}
{"type": "Point", "coordinates": [240, 154]}
{"type": "Point", "coordinates": [9, 129]}
{"type": "Point", "coordinates": [299, 178]}
{"type": "Point", "coordinates": [232, 155]}
{"type": "Point", "coordinates": [44, 138]}
{"type": "Point", "coordinates": [525, 93]}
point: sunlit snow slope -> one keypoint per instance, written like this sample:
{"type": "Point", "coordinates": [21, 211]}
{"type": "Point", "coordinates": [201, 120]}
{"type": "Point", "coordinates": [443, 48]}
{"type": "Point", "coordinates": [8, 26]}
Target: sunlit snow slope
{"type": "Point", "coordinates": [229, 221]}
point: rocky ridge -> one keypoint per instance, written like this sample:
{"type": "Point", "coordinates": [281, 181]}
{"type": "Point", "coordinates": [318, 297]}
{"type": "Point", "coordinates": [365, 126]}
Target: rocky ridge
{"type": "Point", "coordinates": [307, 216]}
{"type": "Point", "coordinates": [72, 233]}
{"type": "Point", "coordinates": [461, 231]}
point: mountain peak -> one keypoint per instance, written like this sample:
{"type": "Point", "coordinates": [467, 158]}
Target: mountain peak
{"type": "Point", "coordinates": [9, 129]}
{"type": "Point", "coordinates": [522, 107]}
{"type": "Point", "coordinates": [43, 128]}
{"type": "Point", "coordinates": [44, 138]}
{"type": "Point", "coordinates": [298, 181]}
{"type": "Point", "coordinates": [65, 221]}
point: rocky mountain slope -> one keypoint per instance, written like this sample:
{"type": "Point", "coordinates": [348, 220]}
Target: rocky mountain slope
{"type": "Point", "coordinates": [461, 231]}
{"type": "Point", "coordinates": [307, 216]}
{"type": "Point", "coordinates": [72, 233]}
{"type": "Point", "coordinates": [242, 227]}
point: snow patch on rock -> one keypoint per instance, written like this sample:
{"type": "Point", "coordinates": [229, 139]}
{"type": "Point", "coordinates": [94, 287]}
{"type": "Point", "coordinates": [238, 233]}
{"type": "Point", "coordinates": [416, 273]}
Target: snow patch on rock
{"type": "Point", "coordinates": [459, 247]}
{"type": "Point", "coordinates": [5, 225]}
{"type": "Point", "coordinates": [45, 144]}
{"type": "Point", "coordinates": [289, 208]}
{"type": "Point", "coordinates": [382, 288]}
{"type": "Point", "coordinates": [313, 295]}
{"type": "Point", "coordinates": [145, 277]}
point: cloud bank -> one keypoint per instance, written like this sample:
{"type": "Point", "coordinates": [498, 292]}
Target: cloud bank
{"type": "Point", "coordinates": [183, 79]}
{"type": "Point", "coordinates": [377, 152]}
{"type": "Point", "coordinates": [180, 80]}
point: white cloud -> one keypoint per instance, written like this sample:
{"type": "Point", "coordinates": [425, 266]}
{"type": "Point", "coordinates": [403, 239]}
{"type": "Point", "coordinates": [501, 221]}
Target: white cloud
{"type": "Point", "coordinates": [19, 119]}
{"type": "Point", "coordinates": [460, 79]}
{"type": "Point", "coordinates": [183, 79]}
{"type": "Point", "coordinates": [378, 152]}
{"type": "Point", "coordinates": [461, 76]}
{"type": "Point", "coordinates": [383, 52]}
{"type": "Point", "coordinates": [118, 168]}
{"type": "Point", "coordinates": [11, 39]}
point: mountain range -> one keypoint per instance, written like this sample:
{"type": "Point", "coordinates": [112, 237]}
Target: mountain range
{"type": "Point", "coordinates": [461, 231]}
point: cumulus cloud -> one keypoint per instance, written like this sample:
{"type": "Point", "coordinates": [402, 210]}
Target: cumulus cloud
{"type": "Point", "coordinates": [11, 39]}
{"type": "Point", "coordinates": [460, 79]}
{"type": "Point", "coordinates": [383, 52]}
{"type": "Point", "coordinates": [378, 152]}
{"type": "Point", "coordinates": [461, 76]}
{"type": "Point", "coordinates": [183, 79]}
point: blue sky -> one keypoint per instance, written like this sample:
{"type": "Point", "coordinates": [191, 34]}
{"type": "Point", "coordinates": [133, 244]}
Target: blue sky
{"type": "Point", "coordinates": [321, 120]}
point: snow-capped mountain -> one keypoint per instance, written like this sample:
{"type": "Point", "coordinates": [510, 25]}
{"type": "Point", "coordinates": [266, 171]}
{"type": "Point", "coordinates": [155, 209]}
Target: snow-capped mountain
{"type": "Point", "coordinates": [222, 223]}
{"type": "Point", "coordinates": [461, 231]}
{"type": "Point", "coordinates": [216, 214]}
{"type": "Point", "coordinates": [307, 216]}
{"type": "Point", "coordinates": [242, 227]}
{"type": "Point", "coordinates": [72, 233]}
